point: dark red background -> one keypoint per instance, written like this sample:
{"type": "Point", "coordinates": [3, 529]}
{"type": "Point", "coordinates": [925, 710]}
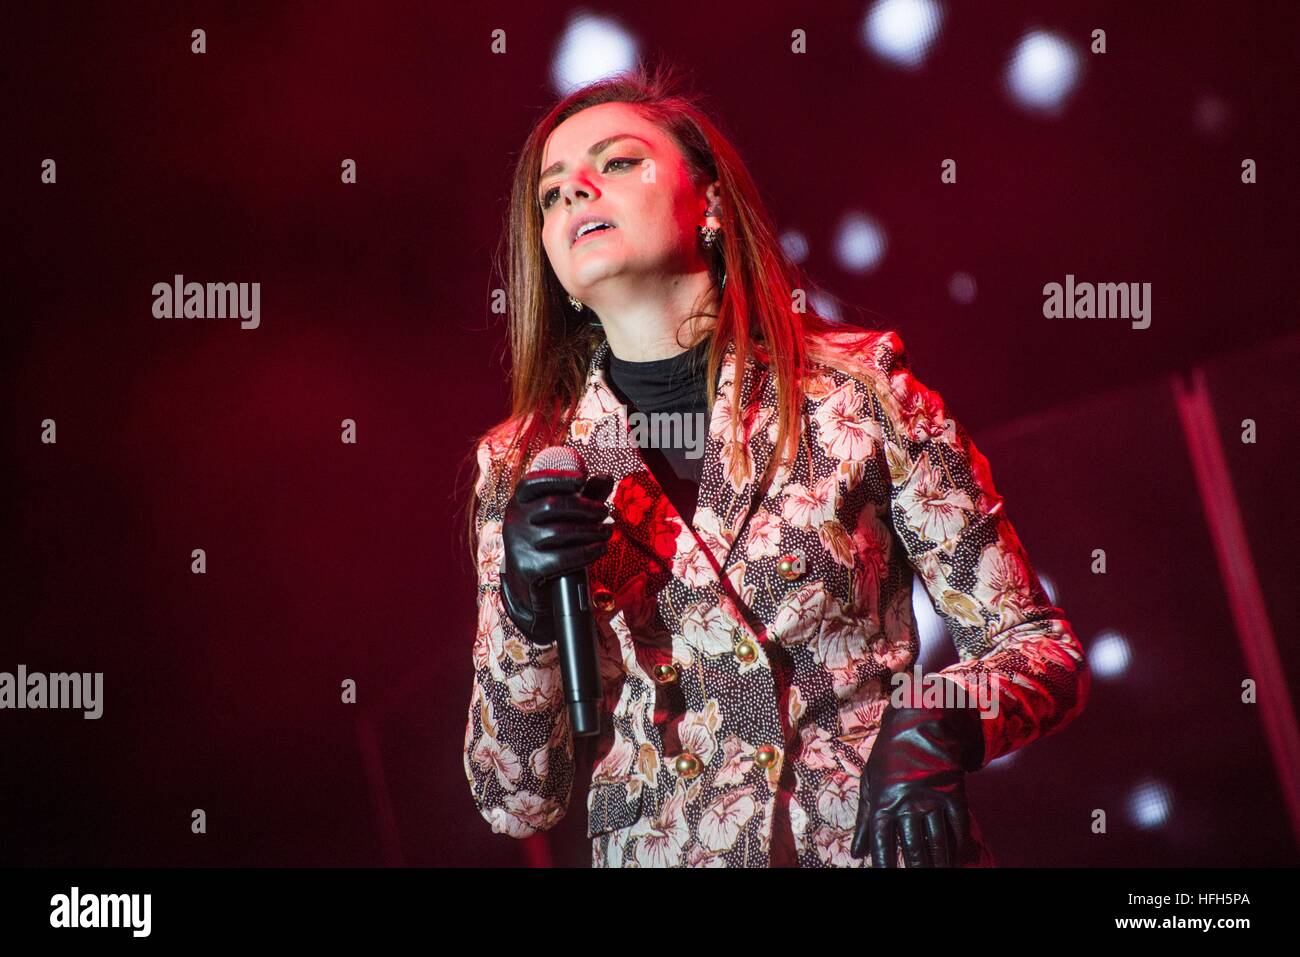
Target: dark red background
{"type": "Point", "coordinates": [328, 561]}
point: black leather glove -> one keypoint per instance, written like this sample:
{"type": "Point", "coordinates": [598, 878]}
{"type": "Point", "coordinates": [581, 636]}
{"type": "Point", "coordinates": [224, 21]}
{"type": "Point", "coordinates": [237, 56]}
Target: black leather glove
{"type": "Point", "coordinates": [912, 788]}
{"type": "Point", "coordinates": [552, 525]}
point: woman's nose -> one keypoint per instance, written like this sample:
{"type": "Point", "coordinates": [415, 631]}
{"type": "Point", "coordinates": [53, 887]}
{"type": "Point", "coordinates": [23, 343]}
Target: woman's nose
{"type": "Point", "coordinates": [575, 187]}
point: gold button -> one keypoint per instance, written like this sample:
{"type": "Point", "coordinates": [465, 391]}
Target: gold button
{"type": "Point", "coordinates": [603, 599]}
{"type": "Point", "coordinates": [765, 756]}
{"type": "Point", "coordinates": [688, 765]}
{"type": "Point", "coordinates": [790, 567]}
{"type": "Point", "coordinates": [665, 674]}
{"type": "Point", "coordinates": [746, 651]}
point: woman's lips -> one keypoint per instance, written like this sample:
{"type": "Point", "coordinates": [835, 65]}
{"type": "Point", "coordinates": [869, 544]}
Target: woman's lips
{"type": "Point", "coordinates": [593, 234]}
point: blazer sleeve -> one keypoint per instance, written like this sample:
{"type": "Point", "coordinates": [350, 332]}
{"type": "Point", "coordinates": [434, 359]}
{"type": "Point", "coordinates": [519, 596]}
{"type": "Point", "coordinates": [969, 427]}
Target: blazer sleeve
{"type": "Point", "coordinates": [518, 748]}
{"type": "Point", "coordinates": [1011, 640]}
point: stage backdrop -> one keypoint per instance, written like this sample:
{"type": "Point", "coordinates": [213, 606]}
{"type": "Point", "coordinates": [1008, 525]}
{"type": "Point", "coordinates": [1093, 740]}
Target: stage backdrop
{"type": "Point", "coordinates": [352, 161]}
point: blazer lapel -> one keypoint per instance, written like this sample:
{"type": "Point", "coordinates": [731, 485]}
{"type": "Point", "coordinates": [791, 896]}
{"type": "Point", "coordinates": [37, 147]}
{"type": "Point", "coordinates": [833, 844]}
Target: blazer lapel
{"type": "Point", "coordinates": [730, 470]}
{"type": "Point", "coordinates": [728, 484]}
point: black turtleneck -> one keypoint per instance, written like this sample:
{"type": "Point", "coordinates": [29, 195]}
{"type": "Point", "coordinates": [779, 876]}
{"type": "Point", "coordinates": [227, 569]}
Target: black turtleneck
{"type": "Point", "coordinates": [675, 384]}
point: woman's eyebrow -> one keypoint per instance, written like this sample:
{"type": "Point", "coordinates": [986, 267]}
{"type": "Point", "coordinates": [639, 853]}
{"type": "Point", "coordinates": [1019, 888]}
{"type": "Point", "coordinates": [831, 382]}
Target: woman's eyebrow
{"type": "Point", "coordinates": [593, 150]}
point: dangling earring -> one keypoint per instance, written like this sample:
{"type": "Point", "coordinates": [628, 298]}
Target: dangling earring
{"type": "Point", "coordinates": [710, 232]}
{"type": "Point", "coordinates": [576, 304]}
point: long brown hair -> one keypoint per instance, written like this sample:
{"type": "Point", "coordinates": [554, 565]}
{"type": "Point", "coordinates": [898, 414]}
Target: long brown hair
{"type": "Point", "coordinates": [551, 345]}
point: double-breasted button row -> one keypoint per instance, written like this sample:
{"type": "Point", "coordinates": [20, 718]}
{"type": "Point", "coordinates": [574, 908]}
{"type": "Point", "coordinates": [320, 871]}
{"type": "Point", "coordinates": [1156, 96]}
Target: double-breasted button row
{"type": "Point", "coordinates": [688, 765]}
{"type": "Point", "coordinates": [744, 649]}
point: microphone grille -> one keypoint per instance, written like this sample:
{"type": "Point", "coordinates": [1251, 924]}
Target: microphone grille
{"type": "Point", "coordinates": [559, 458]}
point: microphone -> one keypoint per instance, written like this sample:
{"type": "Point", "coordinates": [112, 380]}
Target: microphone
{"type": "Point", "coordinates": [571, 604]}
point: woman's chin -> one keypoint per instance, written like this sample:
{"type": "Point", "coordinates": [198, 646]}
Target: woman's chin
{"type": "Point", "coordinates": [588, 274]}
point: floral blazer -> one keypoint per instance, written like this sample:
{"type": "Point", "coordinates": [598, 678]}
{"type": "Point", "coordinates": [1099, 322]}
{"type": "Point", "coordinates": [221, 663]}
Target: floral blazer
{"type": "Point", "coordinates": [746, 657]}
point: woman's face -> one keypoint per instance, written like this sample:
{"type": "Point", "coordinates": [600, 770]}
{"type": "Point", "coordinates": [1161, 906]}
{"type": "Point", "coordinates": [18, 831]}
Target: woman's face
{"type": "Point", "coordinates": [636, 181]}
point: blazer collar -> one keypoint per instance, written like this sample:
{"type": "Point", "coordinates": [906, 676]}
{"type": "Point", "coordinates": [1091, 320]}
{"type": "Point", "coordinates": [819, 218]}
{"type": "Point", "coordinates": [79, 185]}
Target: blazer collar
{"type": "Point", "coordinates": [728, 482]}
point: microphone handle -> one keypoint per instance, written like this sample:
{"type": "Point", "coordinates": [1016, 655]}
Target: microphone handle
{"type": "Point", "coordinates": [575, 638]}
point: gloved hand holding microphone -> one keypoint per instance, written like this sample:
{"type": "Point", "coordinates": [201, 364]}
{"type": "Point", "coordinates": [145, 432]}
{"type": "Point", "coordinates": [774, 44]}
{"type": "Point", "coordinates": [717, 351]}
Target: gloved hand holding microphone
{"type": "Point", "coordinates": [554, 527]}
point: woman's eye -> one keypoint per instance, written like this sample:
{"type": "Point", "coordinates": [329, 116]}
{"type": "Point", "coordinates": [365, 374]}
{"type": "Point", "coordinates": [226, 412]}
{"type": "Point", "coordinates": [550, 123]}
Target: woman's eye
{"type": "Point", "coordinates": [549, 196]}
